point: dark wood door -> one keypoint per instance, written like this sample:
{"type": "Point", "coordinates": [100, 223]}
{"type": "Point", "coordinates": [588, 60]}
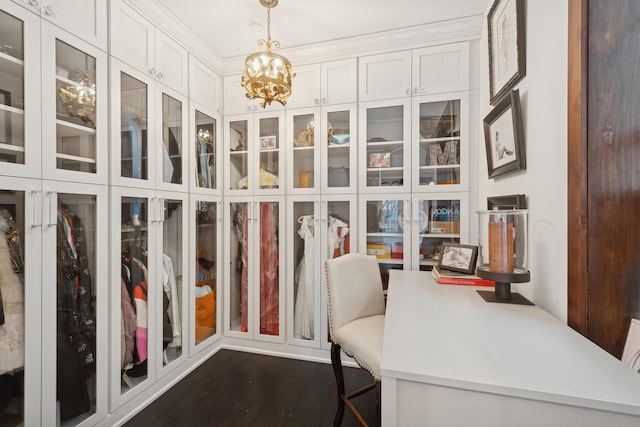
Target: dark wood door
{"type": "Point", "coordinates": [604, 133]}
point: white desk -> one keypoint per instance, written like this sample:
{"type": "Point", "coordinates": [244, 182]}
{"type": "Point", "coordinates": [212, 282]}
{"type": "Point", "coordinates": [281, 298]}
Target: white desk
{"type": "Point", "coordinates": [451, 359]}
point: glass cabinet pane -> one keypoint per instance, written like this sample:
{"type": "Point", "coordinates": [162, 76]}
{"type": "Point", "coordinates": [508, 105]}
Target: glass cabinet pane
{"type": "Point", "coordinates": [338, 228]}
{"type": "Point", "coordinates": [12, 306]}
{"type": "Point", "coordinates": [75, 109]}
{"type": "Point", "coordinates": [134, 120]}
{"type": "Point", "coordinates": [11, 89]}
{"type": "Point", "coordinates": [206, 277]}
{"type": "Point", "coordinates": [172, 140]}
{"type": "Point", "coordinates": [133, 286]}
{"type": "Point", "coordinates": [303, 150]}
{"type": "Point", "coordinates": [239, 267]}
{"type": "Point", "coordinates": [269, 269]}
{"type": "Point", "coordinates": [269, 153]}
{"type": "Point", "coordinates": [75, 302]}
{"type": "Point", "coordinates": [441, 224]}
{"type": "Point", "coordinates": [385, 146]}
{"type": "Point", "coordinates": [304, 232]}
{"type": "Point", "coordinates": [385, 234]}
{"type": "Point", "coordinates": [172, 308]}
{"type": "Point", "coordinates": [238, 155]}
{"type": "Point", "coordinates": [439, 150]}
{"type": "Point", "coordinates": [206, 140]}
{"type": "Point", "coordinates": [338, 155]}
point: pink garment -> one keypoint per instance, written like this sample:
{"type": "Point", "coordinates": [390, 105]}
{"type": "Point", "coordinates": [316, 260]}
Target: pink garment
{"type": "Point", "coordinates": [269, 266]}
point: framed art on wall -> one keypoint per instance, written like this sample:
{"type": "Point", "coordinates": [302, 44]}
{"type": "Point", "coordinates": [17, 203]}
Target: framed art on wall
{"type": "Point", "coordinates": [507, 53]}
{"type": "Point", "coordinates": [504, 140]}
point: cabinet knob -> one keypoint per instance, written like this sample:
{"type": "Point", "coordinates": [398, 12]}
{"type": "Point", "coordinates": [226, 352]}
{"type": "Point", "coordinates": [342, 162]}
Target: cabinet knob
{"type": "Point", "coordinates": [160, 75]}
{"type": "Point", "coordinates": [407, 91]}
{"type": "Point", "coordinates": [152, 71]}
{"type": "Point", "coordinates": [50, 11]}
{"type": "Point", "coordinates": [324, 100]}
{"type": "Point", "coordinates": [34, 3]}
{"type": "Point", "coordinates": [316, 101]}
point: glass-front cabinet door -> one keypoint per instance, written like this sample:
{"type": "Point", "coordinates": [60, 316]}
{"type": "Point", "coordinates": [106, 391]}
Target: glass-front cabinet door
{"type": "Point", "coordinates": [304, 267]}
{"type": "Point", "coordinates": [239, 235]}
{"type": "Point", "coordinates": [386, 149]}
{"type": "Point", "coordinates": [205, 137]}
{"type": "Point", "coordinates": [132, 127]}
{"type": "Point", "coordinates": [238, 131]}
{"type": "Point", "coordinates": [338, 142]}
{"type": "Point", "coordinates": [171, 161]}
{"type": "Point", "coordinates": [269, 134]}
{"type": "Point", "coordinates": [254, 297]}
{"type": "Point", "coordinates": [20, 281]}
{"type": "Point", "coordinates": [74, 108]}
{"type": "Point", "coordinates": [133, 273]}
{"type": "Point", "coordinates": [75, 310]}
{"type": "Point", "coordinates": [20, 91]}
{"type": "Point", "coordinates": [440, 130]}
{"type": "Point", "coordinates": [303, 149]}
{"type": "Point", "coordinates": [206, 248]}
{"type": "Point", "coordinates": [436, 219]}
{"type": "Point", "coordinates": [387, 219]}
{"type": "Point", "coordinates": [171, 218]}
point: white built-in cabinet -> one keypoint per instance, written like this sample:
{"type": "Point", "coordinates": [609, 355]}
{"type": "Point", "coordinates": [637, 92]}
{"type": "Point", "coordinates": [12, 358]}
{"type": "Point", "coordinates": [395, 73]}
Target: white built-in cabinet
{"type": "Point", "coordinates": [319, 227]}
{"type": "Point", "coordinates": [414, 154]}
{"type": "Point", "coordinates": [54, 204]}
{"type": "Point", "coordinates": [254, 153]}
{"type": "Point", "coordinates": [428, 70]}
{"type": "Point", "coordinates": [205, 86]}
{"type": "Point", "coordinates": [321, 153]}
{"type": "Point", "coordinates": [86, 19]}
{"type": "Point", "coordinates": [254, 294]}
{"type": "Point", "coordinates": [139, 44]}
{"type": "Point", "coordinates": [327, 83]}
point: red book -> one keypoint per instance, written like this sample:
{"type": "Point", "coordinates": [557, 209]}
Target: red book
{"type": "Point", "coordinates": [464, 281]}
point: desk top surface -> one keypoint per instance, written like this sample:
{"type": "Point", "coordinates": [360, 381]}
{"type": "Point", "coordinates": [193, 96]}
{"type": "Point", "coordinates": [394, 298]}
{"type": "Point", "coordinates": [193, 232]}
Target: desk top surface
{"type": "Point", "coordinates": [448, 335]}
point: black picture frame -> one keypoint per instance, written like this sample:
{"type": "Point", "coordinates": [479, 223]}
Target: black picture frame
{"type": "Point", "coordinates": [512, 201]}
{"type": "Point", "coordinates": [458, 257]}
{"type": "Point", "coordinates": [507, 47]}
{"type": "Point", "coordinates": [504, 138]}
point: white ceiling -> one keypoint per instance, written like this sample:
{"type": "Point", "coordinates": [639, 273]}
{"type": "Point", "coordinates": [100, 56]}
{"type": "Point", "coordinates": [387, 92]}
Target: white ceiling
{"type": "Point", "coordinates": [232, 27]}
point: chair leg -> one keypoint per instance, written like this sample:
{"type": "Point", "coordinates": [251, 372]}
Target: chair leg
{"type": "Point", "coordinates": [378, 401]}
{"type": "Point", "coordinates": [337, 372]}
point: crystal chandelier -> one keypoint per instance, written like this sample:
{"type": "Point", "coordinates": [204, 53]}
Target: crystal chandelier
{"type": "Point", "coordinates": [79, 100]}
{"type": "Point", "coordinates": [267, 75]}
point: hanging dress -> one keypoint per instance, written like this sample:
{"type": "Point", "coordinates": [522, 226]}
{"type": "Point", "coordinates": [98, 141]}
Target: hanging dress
{"type": "Point", "coordinates": [303, 307]}
{"type": "Point", "coordinates": [337, 243]}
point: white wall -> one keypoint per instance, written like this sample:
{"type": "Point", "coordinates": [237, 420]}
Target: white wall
{"type": "Point", "coordinates": [543, 96]}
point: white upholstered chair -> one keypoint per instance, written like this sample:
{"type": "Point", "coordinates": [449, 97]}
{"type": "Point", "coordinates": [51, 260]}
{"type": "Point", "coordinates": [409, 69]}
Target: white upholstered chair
{"type": "Point", "coordinates": [356, 322]}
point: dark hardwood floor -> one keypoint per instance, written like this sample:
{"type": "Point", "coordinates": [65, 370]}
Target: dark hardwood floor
{"type": "Point", "coordinates": [235, 388]}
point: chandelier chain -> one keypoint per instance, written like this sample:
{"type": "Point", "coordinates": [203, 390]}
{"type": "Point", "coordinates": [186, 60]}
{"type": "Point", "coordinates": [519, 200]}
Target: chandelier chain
{"type": "Point", "coordinates": [269, 21]}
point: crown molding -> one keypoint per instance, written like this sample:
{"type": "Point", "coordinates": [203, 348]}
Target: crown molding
{"type": "Point", "coordinates": [443, 32]}
{"type": "Point", "coordinates": [168, 24]}
{"type": "Point", "coordinates": [451, 31]}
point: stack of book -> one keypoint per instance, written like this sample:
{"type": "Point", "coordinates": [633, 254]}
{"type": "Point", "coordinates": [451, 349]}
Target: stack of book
{"type": "Point", "coordinates": [447, 277]}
